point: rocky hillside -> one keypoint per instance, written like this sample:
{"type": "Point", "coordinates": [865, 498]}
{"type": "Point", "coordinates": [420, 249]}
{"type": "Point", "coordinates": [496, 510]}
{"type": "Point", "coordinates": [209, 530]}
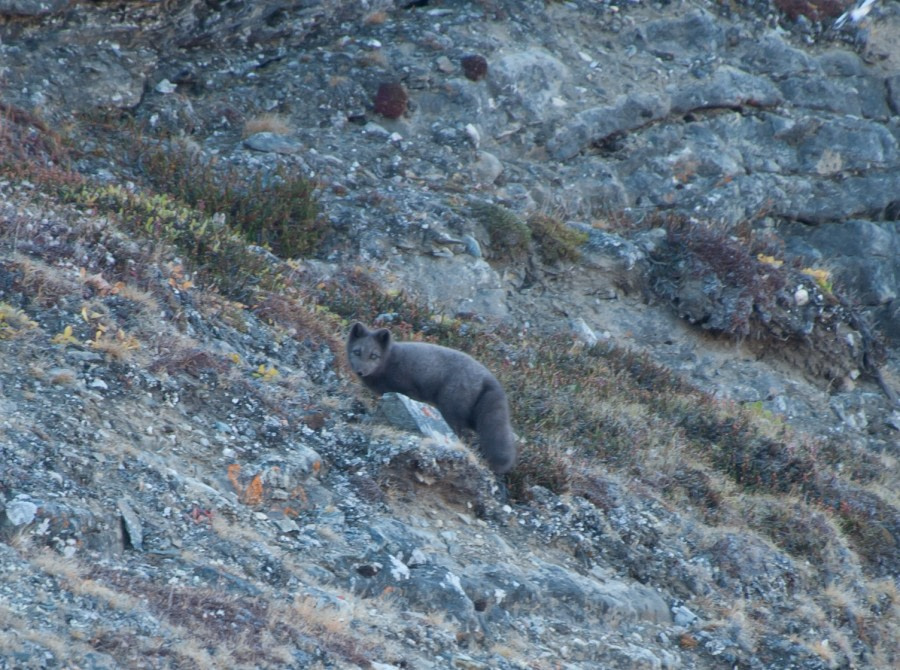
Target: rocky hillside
{"type": "Point", "coordinates": [672, 230]}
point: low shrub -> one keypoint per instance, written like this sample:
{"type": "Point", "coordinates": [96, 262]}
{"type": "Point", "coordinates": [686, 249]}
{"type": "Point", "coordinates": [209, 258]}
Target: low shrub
{"type": "Point", "coordinates": [277, 210]}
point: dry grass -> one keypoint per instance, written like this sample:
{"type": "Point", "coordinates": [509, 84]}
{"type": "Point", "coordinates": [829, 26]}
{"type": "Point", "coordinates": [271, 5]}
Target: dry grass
{"type": "Point", "coordinates": [234, 532]}
{"type": "Point", "coordinates": [376, 17]}
{"type": "Point", "coordinates": [15, 630]}
{"type": "Point", "coordinates": [144, 300]}
{"type": "Point", "coordinates": [267, 123]}
{"type": "Point", "coordinates": [43, 283]}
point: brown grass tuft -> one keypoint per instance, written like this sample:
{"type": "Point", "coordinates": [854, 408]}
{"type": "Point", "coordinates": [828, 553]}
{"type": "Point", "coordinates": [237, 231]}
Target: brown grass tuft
{"type": "Point", "coordinates": [267, 123]}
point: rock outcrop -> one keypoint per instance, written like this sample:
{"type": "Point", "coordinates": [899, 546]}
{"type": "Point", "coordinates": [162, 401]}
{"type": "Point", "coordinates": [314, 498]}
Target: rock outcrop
{"type": "Point", "coordinates": [691, 211]}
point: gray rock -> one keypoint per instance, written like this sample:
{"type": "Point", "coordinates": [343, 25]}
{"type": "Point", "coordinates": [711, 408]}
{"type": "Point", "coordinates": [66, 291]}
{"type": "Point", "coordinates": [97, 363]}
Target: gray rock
{"type": "Point", "coordinates": [840, 63]}
{"type": "Point", "coordinates": [629, 112]}
{"type": "Point", "coordinates": [20, 512]}
{"type": "Point", "coordinates": [472, 246]}
{"type": "Point", "coordinates": [527, 81]}
{"type": "Point", "coordinates": [819, 201]}
{"type": "Point", "coordinates": [607, 250]}
{"type": "Point", "coordinates": [106, 78]}
{"type": "Point", "coordinates": [131, 524]}
{"type": "Point", "coordinates": [863, 256]}
{"type": "Point", "coordinates": [273, 142]}
{"type": "Point", "coordinates": [893, 89]}
{"type": "Point", "coordinates": [289, 470]}
{"type": "Point", "coordinates": [583, 332]}
{"type": "Point", "coordinates": [814, 92]}
{"type": "Point", "coordinates": [614, 601]}
{"type": "Point", "coordinates": [430, 588]}
{"type": "Point", "coordinates": [457, 284]}
{"type": "Point", "coordinates": [847, 145]}
{"type": "Point", "coordinates": [748, 566]}
{"type": "Point", "coordinates": [728, 87]}
{"type": "Point", "coordinates": [771, 55]}
{"type": "Point", "coordinates": [697, 31]}
{"type": "Point", "coordinates": [601, 194]}
{"type": "Point", "coordinates": [487, 169]}
{"type": "Point", "coordinates": [408, 414]}
{"type": "Point", "coordinates": [683, 616]}
{"type": "Point", "coordinates": [31, 7]}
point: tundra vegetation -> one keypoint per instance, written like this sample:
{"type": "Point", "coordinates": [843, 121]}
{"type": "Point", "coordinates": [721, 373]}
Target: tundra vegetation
{"type": "Point", "coordinates": [111, 291]}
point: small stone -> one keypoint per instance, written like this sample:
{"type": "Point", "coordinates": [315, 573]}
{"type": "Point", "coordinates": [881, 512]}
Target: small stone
{"type": "Point", "coordinates": [131, 524]}
{"type": "Point", "coordinates": [165, 87]}
{"type": "Point", "coordinates": [473, 134]}
{"type": "Point", "coordinates": [583, 332]}
{"type": "Point", "coordinates": [683, 616]}
{"type": "Point", "coordinates": [472, 246]}
{"type": "Point", "coordinates": [287, 525]}
{"type": "Point", "coordinates": [99, 384]}
{"type": "Point", "coordinates": [444, 64]}
{"type": "Point", "coordinates": [20, 512]}
{"type": "Point", "coordinates": [372, 128]}
{"type": "Point", "coordinates": [273, 142]}
{"type": "Point", "coordinates": [475, 67]}
{"type": "Point", "coordinates": [487, 168]}
{"type": "Point", "coordinates": [801, 296]}
{"type": "Point", "coordinates": [391, 100]}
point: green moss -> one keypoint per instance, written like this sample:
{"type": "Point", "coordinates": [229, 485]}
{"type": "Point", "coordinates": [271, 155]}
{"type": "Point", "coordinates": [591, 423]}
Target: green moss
{"type": "Point", "coordinates": [512, 239]}
{"type": "Point", "coordinates": [509, 236]}
{"type": "Point", "coordinates": [555, 240]}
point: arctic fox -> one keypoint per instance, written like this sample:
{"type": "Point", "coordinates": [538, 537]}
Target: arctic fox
{"type": "Point", "coordinates": [467, 395]}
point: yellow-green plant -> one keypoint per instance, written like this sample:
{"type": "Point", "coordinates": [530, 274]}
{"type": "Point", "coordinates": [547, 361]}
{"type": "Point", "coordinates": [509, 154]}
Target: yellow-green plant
{"type": "Point", "coordinates": [265, 373]}
{"type": "Point", "coordinates": [65, 337]}
{"type": "Point", "coordinates": [13, 321]}
{"type": "Point", "coordinates": [555, 240]}
{"type": "Point", "coordinates": [219, 255]}
{"type": "Point", "coordinates": [276, 209]}
{"type": "Point", "coordinates": [822, 278]}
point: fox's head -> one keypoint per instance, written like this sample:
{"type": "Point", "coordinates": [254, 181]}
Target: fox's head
{"type": "Point", "coordinates": [367, 349]}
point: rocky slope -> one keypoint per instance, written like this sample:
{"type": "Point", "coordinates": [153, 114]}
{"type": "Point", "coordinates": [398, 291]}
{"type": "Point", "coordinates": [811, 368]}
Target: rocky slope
{"type": "Point", "coordinates": [672, 231]}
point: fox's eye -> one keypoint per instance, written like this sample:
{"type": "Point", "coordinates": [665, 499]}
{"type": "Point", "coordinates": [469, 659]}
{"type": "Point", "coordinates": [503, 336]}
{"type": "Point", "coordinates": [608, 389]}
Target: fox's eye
{"type": "Point", "coordinates": [373, 356]}
{"type": "Point", "coordinates": [356, 352]}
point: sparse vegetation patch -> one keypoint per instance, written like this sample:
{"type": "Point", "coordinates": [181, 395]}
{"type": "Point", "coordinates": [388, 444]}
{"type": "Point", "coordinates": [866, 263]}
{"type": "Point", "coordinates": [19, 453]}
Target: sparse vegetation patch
{"type": "Point", "coordinates": [513, 239]}
{"type": "Point", "coordinates": [723, 284]}
{"type": "Point", "coordinates": [509, 235]}
{"type": "Point", "coordinates": [276, 209]}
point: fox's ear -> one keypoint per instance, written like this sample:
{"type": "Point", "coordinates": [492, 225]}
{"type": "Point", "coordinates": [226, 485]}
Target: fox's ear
{"type": "Point", "coordinates": [383, 337]}
{"type": "Point", "coordinates": [358, 330]}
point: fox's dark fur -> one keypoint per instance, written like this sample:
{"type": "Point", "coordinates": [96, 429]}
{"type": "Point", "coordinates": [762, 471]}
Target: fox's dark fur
{"type": "Point", "coordinates": [466, 393]}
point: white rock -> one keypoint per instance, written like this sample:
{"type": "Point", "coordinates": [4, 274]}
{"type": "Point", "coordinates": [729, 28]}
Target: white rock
{"type": "Point", "coordinates": [487, 168]}
{"type": "Point", "coordinates": [165, 87]}
{"type": "Point", "coordinates": [474, 135]}
{"type": "Point", "coordinates": [20, 512]}
{"type": "Point", "coordinates": [583, 332]}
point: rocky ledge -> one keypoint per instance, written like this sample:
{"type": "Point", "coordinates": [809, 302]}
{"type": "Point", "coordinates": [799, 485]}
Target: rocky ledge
{"type": "Point", "coordinates": [670, 229]}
